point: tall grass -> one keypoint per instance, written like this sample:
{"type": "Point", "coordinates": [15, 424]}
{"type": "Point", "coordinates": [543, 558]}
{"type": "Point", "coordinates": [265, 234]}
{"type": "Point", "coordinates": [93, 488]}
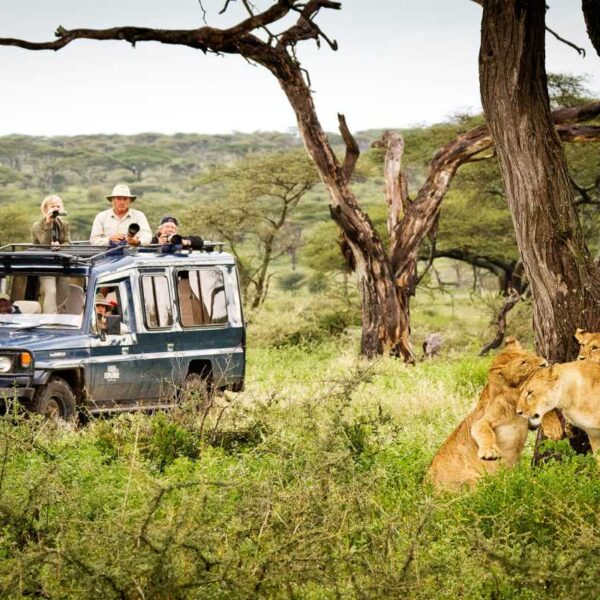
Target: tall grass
{"type": "Point", "coordinates": [307, 485]}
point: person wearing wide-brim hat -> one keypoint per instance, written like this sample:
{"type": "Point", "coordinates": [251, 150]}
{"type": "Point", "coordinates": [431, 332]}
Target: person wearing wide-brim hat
{"type": "Point", "coordinates": [112, 226]}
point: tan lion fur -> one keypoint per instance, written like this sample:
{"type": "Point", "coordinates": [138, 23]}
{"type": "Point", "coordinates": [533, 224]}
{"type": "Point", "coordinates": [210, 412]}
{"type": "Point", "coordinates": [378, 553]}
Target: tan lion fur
{"type": "Point", "coordinates": [492, 436]}
{"type": "Point", "coordinates": [589, 345]}
{"type": "Point", "coordinates": [573, 388]}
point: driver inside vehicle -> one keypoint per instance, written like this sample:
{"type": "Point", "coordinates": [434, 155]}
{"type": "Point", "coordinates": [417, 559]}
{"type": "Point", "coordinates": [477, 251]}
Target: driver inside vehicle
{"type": "Point", "coordinates": [103, 309]}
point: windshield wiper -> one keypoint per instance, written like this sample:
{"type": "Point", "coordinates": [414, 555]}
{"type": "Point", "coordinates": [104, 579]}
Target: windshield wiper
{"type": "Point", "coordinates": [43, 324]}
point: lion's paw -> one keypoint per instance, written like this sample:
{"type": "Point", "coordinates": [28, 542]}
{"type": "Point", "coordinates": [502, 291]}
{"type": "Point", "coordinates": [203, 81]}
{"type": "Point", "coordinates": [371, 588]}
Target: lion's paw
{"type": "Point", "coordinates": [491, 453]}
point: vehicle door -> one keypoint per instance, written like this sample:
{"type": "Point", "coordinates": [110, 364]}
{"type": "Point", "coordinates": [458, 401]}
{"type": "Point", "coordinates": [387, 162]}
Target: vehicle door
{"type": "Point", "coordinates": [211, 321]}
{"type": "Point", "coordinates": [157, 335]}
{"type": "Point", "coordinates": [115, 377]}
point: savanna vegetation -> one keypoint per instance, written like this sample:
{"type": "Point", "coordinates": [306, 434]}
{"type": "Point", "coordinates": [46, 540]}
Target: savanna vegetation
{"type": "Point", "coordinates": [309, 484]}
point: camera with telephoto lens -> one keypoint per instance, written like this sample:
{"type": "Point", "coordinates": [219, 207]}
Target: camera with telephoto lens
{"type": "Point", "coordinates": [58, 213]}
{"type": "Point", "coordinates": [133, 229]}
{"type": "Point", "coordinates": [175, 239]}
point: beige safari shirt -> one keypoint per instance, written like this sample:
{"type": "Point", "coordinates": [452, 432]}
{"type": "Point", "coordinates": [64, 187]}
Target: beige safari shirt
{"type": "Point", "coordinates": [107, 223]}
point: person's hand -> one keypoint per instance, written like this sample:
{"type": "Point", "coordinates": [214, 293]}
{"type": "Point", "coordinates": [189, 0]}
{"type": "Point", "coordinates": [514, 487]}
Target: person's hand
{"type": "Point", "coordinates": [117, 237]}
{"type": "Point", "coordinates": [163, 239]}
{"type": "Point", "coordinates": [133, 240]}
{"type": "Point", "coordinates": [55, 244]}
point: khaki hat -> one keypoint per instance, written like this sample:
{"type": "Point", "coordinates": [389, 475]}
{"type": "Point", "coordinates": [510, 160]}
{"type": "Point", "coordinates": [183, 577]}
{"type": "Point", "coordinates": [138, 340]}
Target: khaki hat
{"type": "Point", "coordinates": [4, 296]}
{"type": "Point", "coordinates": [100, 299]}
{"type": "Point", "coordinates": [121, 190]}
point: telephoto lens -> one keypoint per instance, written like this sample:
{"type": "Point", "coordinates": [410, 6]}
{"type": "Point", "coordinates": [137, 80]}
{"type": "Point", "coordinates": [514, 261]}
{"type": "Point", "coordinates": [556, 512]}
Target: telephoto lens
{"type": "Point", "coordinates": [132, 229]}
{"type": "Point", "coordinates": [175, 239]}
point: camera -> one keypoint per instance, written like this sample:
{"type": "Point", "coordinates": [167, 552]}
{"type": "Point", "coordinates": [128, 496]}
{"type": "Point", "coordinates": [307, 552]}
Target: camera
{"type": "Point", "coordinates": [133, 229]}
{"type": "Point", "coordinates": [58, 213]}
{"type": "Point", "coordinates": [175, 239]}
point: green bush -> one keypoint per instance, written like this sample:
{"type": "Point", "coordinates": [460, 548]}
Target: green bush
{"type": "Point", "coordinates": [309, 485]}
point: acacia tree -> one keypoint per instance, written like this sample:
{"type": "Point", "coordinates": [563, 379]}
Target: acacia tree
{"type": "Point", "coordinates": [386, 276]}
{"type": "Point", "coordinates": [564, 281]}
{"type": "Point", "coordinates": [257, 197]}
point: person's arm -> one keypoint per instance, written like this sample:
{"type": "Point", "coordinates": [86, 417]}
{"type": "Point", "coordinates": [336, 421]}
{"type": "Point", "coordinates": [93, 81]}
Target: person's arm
{"type": "Point", "coordinates": [194, 242]}
{"type": "Point", "coordinates": [97, 237]}
{"type": "Point", "coordinates": [66, 234]}
{"type": "Point", "coordinates": [145, 233]}
{"type": "Point", "coordinates": [41, 233]}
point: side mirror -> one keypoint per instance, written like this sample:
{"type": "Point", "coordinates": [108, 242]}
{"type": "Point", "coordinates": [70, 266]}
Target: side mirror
{"type": "Point", "coordinates": [113, 325]}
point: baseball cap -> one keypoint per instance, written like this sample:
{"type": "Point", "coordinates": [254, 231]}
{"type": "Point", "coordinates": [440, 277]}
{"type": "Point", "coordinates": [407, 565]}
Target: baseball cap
{"type": "Point", "coordinates": [169, 219]}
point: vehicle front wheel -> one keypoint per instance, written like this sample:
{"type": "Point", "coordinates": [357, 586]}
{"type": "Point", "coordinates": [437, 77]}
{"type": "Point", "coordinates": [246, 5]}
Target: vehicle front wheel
{"type": "Point", "coordinates": [55, 400]}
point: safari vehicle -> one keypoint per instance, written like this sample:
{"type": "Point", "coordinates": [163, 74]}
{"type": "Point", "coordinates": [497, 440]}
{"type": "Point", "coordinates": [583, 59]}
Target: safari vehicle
{"type": "Point", "coordinates": [175, 317]}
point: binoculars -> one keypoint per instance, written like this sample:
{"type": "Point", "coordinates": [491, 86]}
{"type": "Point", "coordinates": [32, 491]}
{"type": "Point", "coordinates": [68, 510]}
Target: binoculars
{"type": "Point", "coordinates": [58, 213]}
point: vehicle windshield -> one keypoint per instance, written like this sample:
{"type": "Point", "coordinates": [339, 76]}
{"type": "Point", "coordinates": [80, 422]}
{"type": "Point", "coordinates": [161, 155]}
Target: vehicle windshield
{"type": "Point", "coordinates": [49, 300]}
{"type": "Point", "coordinates": [26, 321]}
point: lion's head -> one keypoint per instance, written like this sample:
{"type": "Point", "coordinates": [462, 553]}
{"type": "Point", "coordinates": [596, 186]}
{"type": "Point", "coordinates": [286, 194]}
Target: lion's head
{"type": "Point", "coordinates": [589, 345]}
{"type": "Point", "coordinates": [514, 365]}
{"type": "Point", "coordinates": [538, 396]}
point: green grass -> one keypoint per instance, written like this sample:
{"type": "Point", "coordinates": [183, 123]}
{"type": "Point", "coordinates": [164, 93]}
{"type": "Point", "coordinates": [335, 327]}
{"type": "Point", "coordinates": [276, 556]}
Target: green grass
{"type": "Point", "coordinates": [306, 485]}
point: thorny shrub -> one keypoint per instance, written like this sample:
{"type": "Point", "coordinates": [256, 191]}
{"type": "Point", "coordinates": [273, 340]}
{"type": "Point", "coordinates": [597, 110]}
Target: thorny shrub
{"type": "Point", "coordinates": [285, 494]}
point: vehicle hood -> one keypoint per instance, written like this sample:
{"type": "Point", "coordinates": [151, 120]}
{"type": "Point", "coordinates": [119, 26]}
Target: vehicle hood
{"type": "Point", "coordinates": [36, 339]}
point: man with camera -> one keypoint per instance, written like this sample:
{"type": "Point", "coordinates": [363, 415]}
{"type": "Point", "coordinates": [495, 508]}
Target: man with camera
{"type": "Point", "coordinates": [167, 236]}
{"type": "Point", "coordinates": [52, 230]}
{"type": "Point", "coordinates": [120, 224]}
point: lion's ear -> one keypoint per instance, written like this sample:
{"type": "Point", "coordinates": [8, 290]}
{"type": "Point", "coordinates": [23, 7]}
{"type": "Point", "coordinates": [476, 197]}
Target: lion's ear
{"type": "Point", "coordinates": [512, 342]}
{"type": "Point", "coordinates": [579, 334]}
{"type": "Point", "coordinates": [497, 371]}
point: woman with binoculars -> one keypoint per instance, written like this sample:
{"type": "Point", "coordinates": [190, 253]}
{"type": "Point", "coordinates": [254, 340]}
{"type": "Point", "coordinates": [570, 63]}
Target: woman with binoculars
{"type": "Point", "coordinates": [51, 230]}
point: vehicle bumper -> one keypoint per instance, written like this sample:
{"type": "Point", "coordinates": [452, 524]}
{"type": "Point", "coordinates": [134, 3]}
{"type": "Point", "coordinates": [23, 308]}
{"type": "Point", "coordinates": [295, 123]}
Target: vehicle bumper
{"type": "Point", "coordinates": [18, 392]}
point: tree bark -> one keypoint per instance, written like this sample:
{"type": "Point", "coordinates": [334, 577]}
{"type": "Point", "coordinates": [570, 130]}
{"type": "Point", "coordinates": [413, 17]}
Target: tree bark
{"type": "Point", "coordinates": [563, 279]}
{"type": "Point", "coordinates": [591, 12]}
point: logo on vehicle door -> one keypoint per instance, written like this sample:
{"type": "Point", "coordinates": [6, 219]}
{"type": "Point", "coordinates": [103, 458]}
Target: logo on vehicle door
{"type": "Point", "coordinates": [112, 373]}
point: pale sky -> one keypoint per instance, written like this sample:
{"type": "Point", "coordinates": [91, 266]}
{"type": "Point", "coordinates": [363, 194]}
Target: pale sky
{"type": "Point", "coordinates": [399, 63]}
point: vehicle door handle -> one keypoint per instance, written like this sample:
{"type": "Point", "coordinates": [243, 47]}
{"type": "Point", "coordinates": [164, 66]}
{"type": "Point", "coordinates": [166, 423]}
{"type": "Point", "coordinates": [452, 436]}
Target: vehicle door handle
{"type": "Point", "coordinates": [170, 347]}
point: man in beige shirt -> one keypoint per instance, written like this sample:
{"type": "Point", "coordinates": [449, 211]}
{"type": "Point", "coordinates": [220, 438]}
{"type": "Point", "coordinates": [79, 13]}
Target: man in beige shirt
{"type": "Point", "coordinates": [112, 227]}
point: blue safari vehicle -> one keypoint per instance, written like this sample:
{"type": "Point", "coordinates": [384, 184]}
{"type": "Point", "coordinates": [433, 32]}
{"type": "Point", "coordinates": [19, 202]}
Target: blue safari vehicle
{"type": "Point", "coordinates": [168, 318]}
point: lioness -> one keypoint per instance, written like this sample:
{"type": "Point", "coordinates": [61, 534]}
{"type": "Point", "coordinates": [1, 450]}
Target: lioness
{"type": "Point", "coordinates": [492, 430]}
{"type": "Point", "coordinates": [589, 345]}
{"type": "Point", "coordinates": [572, 387]}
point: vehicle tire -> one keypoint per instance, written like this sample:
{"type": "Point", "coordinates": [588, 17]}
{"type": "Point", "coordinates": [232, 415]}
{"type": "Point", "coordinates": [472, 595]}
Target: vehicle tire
{"type": "Point", "coordinates": [55, 400]}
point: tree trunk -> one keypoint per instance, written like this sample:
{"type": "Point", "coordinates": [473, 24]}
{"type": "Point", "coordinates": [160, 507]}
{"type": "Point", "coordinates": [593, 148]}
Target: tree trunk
{"type": "Point", "coordinates": [563, 280]}
{"type": "Point", "coordinates": [385, 322]}
{"type": "Point", "coordinates": [591, 12]}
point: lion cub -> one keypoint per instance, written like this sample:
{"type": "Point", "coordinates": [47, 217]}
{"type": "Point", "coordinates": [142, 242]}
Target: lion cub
{"type": "Point", "coordinates": [589, 345]}
{"type": "Point", "coordinates": [572, 387]}
{"type": "Point", "coordinates": [493, 430]}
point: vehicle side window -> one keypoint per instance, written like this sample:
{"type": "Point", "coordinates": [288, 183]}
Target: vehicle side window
{"type": "Point", "coordinates": [158, 311]}
{"type": "Point", "coordinates": [201, 296]}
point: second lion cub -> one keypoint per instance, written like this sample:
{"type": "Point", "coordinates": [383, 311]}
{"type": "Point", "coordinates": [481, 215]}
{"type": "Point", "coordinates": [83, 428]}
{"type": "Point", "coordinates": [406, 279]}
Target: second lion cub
{"type": "Point", "coordinates": [492, 435]}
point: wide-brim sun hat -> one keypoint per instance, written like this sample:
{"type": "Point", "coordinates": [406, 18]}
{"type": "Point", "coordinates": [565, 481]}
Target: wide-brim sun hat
{"type": "Point", "coordinates": [121, 191]}
{"type": "Point", "coordinates": [100, 299]}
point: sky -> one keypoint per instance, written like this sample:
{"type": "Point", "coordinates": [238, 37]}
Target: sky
{"type": "Point", "coordinates": [400, 63]}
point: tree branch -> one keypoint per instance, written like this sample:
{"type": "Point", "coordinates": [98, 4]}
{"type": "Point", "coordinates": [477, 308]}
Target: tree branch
{"type": "Point", "coordinates": [580, 51]}
{"type": "Point", "coordinates": [352, 149]}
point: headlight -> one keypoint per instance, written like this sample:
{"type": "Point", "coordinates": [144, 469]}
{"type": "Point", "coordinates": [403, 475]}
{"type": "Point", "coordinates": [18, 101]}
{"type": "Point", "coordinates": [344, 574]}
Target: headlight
{"type": "Point", "coordinates": [5, 364]}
